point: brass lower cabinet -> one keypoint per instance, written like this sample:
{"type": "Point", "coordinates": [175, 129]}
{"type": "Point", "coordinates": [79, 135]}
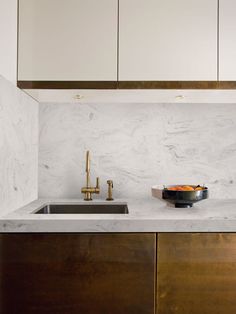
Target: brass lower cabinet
{"type": "Point", "coordinates": [190, 273]}
{"type": "Point", "coordinates": [196, 273]}
{"type": "Point", "coordinates": [77, 273]}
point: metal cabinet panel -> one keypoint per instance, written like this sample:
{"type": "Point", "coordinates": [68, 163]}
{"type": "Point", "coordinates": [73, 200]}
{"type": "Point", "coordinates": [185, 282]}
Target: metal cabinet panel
{"type": "Point", "coordinates": [77, 273]}
{"type": "Point", "coordinates": [196, 273]}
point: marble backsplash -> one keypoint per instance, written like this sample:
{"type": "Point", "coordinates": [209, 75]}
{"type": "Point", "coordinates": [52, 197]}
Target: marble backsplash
{"type": "Point", "coordinates": [18, 148]}
{"type": "Point", "coordinates": [137, 146]}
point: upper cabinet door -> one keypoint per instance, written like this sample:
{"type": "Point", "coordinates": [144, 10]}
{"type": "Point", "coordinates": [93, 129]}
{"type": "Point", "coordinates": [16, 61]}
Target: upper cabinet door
{"type": "Point", "coordinates": [168, 40]}
{"type": "Point", "coordinates": [69, 40]}
{"type": "Point", "coordinates": [227, 42]}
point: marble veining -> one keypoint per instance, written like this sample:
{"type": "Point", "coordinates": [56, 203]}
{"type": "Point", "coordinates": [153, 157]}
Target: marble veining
{"type": "Point", "coordinates": [146, 215]}
{"type": "Point", "coordinates": [18, 147]}
{"type": "Point", "coordinates": [137, 146]}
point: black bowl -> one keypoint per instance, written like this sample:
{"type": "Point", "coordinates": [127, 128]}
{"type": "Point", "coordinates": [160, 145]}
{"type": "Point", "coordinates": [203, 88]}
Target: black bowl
{"type": "Point", "coordinates": [184, 199]}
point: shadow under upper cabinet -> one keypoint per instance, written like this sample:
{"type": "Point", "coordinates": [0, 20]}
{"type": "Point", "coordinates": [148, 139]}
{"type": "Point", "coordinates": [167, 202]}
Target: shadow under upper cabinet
{"type": "Point", "coordinates": [84, 209]}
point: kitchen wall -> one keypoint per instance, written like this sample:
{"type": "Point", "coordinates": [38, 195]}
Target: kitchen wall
{"type": "Point", "coordinates": [18, 147]}
{"type": "Point", "coordinates": [137, 145]}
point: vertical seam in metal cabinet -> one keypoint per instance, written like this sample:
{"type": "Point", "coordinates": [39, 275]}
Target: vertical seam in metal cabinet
{"type": "Point", "coordinates": [218, 40]}
{"type": "Point", "coordinates": [118, 41]}
{"type": "Point", "coordinates": [17, 39]}
{"type": "Point", "coordinates": [156, 275]}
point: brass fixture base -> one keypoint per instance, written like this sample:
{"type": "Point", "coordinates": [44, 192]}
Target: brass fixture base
{"type": "Point", "coordinates": [109, 199]}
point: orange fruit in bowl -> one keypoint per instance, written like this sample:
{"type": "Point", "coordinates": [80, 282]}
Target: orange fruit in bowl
{"type": "Point", "coordinates": [172, 189]}
{"type": "Point", "coordinates": [188, 188]}
{"type": "Point", "coordinates": [180, 188]}
{"type": "Point", "coordinates": [199, 188]}
{"type": "Point", "coordinates": [184, 188]}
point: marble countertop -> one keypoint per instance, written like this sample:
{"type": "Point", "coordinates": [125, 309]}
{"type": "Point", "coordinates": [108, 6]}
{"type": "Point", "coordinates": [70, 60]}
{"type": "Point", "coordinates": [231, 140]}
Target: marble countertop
{"type": "Point", "coordinates": [146, 215]}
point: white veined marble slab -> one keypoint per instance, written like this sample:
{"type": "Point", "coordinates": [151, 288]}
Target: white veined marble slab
{"type": "Point", "coordinates": [147, 215]}
{"type": "Point", "coordinates": [18, 147]}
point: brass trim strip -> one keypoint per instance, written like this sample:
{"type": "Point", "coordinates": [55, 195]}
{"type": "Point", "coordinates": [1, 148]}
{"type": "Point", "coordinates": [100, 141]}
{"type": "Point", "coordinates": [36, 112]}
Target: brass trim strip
{"type": "Point", "coordinates": [67, 84]}
{"type": "Point", "coordinates": [127, 84]}
{"type": "Point", "coordinates": [177, 85]}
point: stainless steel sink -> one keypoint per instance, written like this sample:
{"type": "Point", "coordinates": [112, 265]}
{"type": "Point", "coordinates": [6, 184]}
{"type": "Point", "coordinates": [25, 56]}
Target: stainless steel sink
{"type": "Point", "coordinates": [83, 209]}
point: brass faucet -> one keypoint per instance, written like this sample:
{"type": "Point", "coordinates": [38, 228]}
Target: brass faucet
{"type": "Point", "coordinates": [110, 187]}
{"type": "Point", "coordinates": [88, 190]}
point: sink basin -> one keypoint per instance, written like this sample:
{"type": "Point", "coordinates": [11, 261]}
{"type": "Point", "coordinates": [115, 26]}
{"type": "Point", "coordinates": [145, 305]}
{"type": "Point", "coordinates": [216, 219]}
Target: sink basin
{"type": "Point", "coordinates": [83, 209]}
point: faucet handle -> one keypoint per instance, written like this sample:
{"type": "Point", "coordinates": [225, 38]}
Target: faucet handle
{"type": "Point", "coordinates": [97, 183]}
{"type": "Point", "coordinates": [110, 187]}
{"type": "Point", "coordinates": [110, 182]}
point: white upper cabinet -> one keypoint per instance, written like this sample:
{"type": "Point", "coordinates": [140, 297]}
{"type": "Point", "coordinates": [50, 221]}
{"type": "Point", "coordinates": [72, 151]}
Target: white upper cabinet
{"type": "Point", "coordinates": [68, 40]}
{"type": "Point", "coordinates": [8, 40]}
{"type": "Point", "coordinates": [168, 40]}
{"type": "Point", "coordinates": [227, 40]}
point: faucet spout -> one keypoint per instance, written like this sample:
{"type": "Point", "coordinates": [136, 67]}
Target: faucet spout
{"type": "Point", "coordinates": [87, 169]}
{"type": "Point", "coordinates": [88, 190]}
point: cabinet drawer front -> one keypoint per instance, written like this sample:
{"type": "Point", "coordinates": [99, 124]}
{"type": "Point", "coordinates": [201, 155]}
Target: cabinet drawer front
{"type": "Point", "coordinates": [77, 273]}
{"type": "Point", "coordinates": [67, 40]}
{"type": "Point", "coordinates": [227, 44]}
{"type": "Point", "coordinates": [196, 273]}
{"type": "Point", "coordinates": [168, 40]}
